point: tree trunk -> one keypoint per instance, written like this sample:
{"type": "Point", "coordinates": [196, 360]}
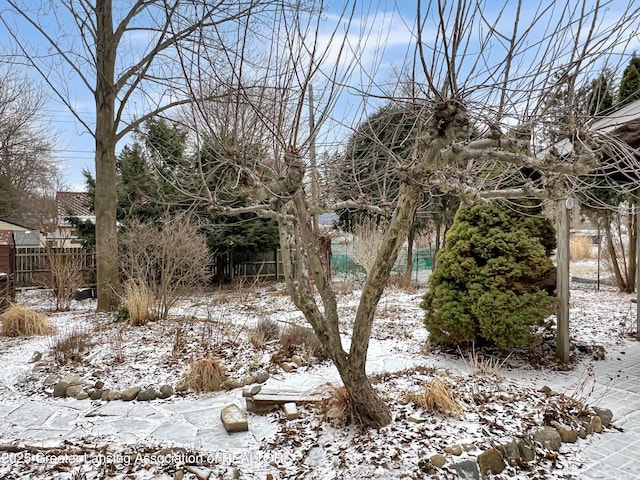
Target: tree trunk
{"type": "Point", "coordinates": [410, 240]}
{"type": "Point", "coordinates": [611, 249]}
{"type": "Point", "coordinates": [105, 137]}
{"type": "Point", "coordinates": [632, 255]}
{"type": "Point", "coordinates": [372, 411]}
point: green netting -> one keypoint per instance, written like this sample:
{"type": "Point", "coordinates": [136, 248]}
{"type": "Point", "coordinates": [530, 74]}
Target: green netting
{"type": "Point", "coordinates": [342, 261]}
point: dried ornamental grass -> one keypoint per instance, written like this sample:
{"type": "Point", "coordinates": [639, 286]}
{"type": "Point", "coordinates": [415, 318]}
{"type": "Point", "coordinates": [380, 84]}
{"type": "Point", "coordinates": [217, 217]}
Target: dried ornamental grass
{"type": "Point", "coordinates": [18, 321]}
{"type": "Point", "coordinates": [206, 375]}
{"type": "Point", "coordinates": [138, 301]}
{"type": "Point", "coordinates": [337, 408]}
{"type": "Point", "coordinates": [437, 398]}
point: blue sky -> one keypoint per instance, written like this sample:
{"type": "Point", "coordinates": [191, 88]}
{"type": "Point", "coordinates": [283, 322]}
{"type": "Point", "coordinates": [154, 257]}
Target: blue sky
{"type": "Point", "coordinates": [381, 52]}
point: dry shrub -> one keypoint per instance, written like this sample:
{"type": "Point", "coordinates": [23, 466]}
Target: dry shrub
{"type": "Point", "coordinates": [303, 341]}
{"type": "Point", "coordinates": [206, 375]}
{"type": "Point", "coordinates": [70, 348]}
{"type": "Point", "coordinates": [580, 247]}
{"type": "Point", "coordinates": [478, 364]}
{"type": "Point", "coordinates": [265, 331]}
{"type": "Point", "coordinates": [138, 302]}
{"type": "Point", "coordinates": [367, 238]}
{"type": "Point", "coordinates": [65, 274]}
{"type": "Point", "coordinates": [337, 408]}
{"type": "Point", "coordinates": [401, 282]}
{"type": "Point", "coordinates": [19, 321]}
{"type": "Point", "coordinates": [435, 397]}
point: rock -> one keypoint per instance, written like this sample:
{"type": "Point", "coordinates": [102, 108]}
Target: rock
{"type": "Point", "coordinates": [114, 395]}
{"type": "Point", "coordinates": [291, 411]}
{"type": "Point", "coordinates": [438, 461]}
{"type": "Point", "coordinates": [52, 443]}
{"type": "Point", "coordinates": [587, 425]}
{"type": "Point", "coordinates": [151, 324]}
{"type": "Point", "coordinates": [605, 415]}
{"type": "Point", "coordinates": [596, 424]}
{"type": "Point", "coordinates": [183, 387]}
{"type": "Point", "coordinates": [105, 395]}
{"type": "Point", "coordinates": [527, 450]}
{"type": "Point", "coordinates": [416, 419]}
{"type": "Point", "coordinates": [259, 408]}
{"type": "Point", "coordinates": [51, 380]}
{"type": "Point", "coordinates": [72, 379]}
{"type": "Point", "coordinates": [74, 390]}
{"type": "Point", "coordinates": [60, 389]}
{"type": "Point", "coordinates": [297, 359]}
{"type": "Point", "coordinates": [231, 383]}
{"type": "Point", "coordinates": [546, 390]}
{"type": "Point", "coordinates": [130, 393]}
{"type": "Point", "coordinates": [566, 435]}
{"type": "Point", "coordinates": [36, 357]}
{"type": "Point", "coordinates": [179, 475]}
{"type": "Point", "coordinates": [165, 391]}
{"type": "Point", "coordinates": [288, 367]}
{"type": "Point", "coordinates": [467, 469]}
{"type": "Point", "coordinates": [99, 385]}
{"type": "Point", "coordinates": [453, 450]}
{"type": "Point", "coordinates": [248, 380]}
{"type": "Point", "coordinates": [261, 376]}
{"type": "Point", "coordinates": [510, 451]}
{"type": "Point", "coordinates": [234, 419]}
{"type": "Point", "coordinates": [97, 395]}
{"type": "Point", "coordinates": [147, 395]}
{"type": "Point", "coordinates": [200, 473]}
{"type": "Point", "coordinates": [82, 395]}
{"type": "Point", "coordinates": [250, 391]}
{"type": "Point", "coordinates": [548, 437]}
{"type": "Point", "coordinates": [490, 461]}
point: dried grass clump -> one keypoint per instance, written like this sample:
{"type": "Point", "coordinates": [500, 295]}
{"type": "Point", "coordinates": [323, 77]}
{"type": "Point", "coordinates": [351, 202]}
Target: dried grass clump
{"type": "Point", "coordinates": [301, 340]}
{"type": "Point", "coordinates": [265, 331]}
{"type": "Point", "coordinates": [138, 302]}
{"type": "Point", "coordinates": [580, 247]}
{"type": "Point", "coordinates": [206, 375]}
{"type": "Point", "coordinates": [21, 321]}
{"type": "Point", "coordinates": [70, 348]}
{"type": "Point", "coordinates": [338, 408]}
{"type": "Point", "coordinates": [437, 398]}
{"type": "Point", "coordinates": [478, 364]}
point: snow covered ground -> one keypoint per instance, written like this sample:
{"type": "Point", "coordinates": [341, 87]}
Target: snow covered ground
{"type": "Point", "coordinates": [98, 439]}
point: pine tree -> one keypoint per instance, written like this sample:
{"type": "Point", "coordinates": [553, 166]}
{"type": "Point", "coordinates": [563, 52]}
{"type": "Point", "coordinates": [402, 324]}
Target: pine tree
{"type": "Point", "coordinates": [630, 83]}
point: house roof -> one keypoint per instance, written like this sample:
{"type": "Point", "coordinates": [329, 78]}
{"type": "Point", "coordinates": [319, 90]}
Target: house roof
{"type": "Point", "coordinates": [27, 238]}
{"type": "Point", "coordinates": [74, 204]}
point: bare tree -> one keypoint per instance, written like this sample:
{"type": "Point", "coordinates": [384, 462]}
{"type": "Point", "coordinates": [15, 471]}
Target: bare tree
{"type": "Point", "coordinates": [123, 54]}
{"type": "Point", "coordinates": [27, 168]}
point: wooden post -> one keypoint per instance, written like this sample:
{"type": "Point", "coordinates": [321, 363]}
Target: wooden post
{"type": "Point", "coordinates": [637, 266]}
{"type": "Point", "coordinates": [562, 259]}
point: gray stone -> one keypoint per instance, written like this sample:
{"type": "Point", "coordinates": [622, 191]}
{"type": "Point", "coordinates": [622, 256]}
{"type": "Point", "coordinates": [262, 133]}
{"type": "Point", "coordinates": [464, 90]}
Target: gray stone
{"type": "Point", "coordinates": [114, 395]}
{"type": "Point", "coordinates": [82, 395]}
{"type": "Point", "coordinates": [147, 395]}
{"type": "Point", "coordinates": [510, 451]}
{"type": "Point", "coordinates": [165, 391]}
{"type": "Point", "coordinates": [60, 389]}
{"type": "Point", "coordinates": [548, 437]}
{"type": "Point", "coordinates": [288, 367]}
{"type": "Point", "coordinates": [248, 380]}
{"type": "Point", "coordinates": [99, 385]}
{"type": "Point", "coordinates": [36, 357]}
{"type": "Point", "coordinates": [200, 473]}
{"type": "Point", "coordinates": [605, 415]}
{"type": "Point", "coordinates": [291, 411]}
{"type": "Point", "coordinates": [490, 461]}
{"type": "Point", "coordinates": [596, 423]}
{"type": "Point", "coordinates": [251, 390]}
{"type": "Point", "coordinates": [231, 383]}
{"type": "Point", "coordinates": [567, 435]}
{"type": "Point", "coordinates": [259, 408]}
{"type": "Point", "coordinates": [438, 461]}
{"type": "Point", "coordinates": [467, 469]}
{"type": "Point", "coordinates": [74, 390]}
{"type": "Point", "coordinates": [130, 393]}
{"type": "Point", "coordinates": [234, 419]}
{"type": "Point", "coordinates": [413, 418]}
{"type": "Point", "coordinates": [453, 450]}
{"type": "Point", "coordinates": [51, 380]}
{"type": "Point", "coordinates": [72, 379]}
{"type": "Point", "coordinates": [105, 395]}
{"type": "Point", "coordinates": [261, 376]}
{"type": "Point", "coordinates": [97, 395]}
{"type": "Point", "coordinates": [527, 450]}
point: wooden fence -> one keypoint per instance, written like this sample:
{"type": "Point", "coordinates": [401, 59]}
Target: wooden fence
{"type": "Point", "coordinates": [34, 265]}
